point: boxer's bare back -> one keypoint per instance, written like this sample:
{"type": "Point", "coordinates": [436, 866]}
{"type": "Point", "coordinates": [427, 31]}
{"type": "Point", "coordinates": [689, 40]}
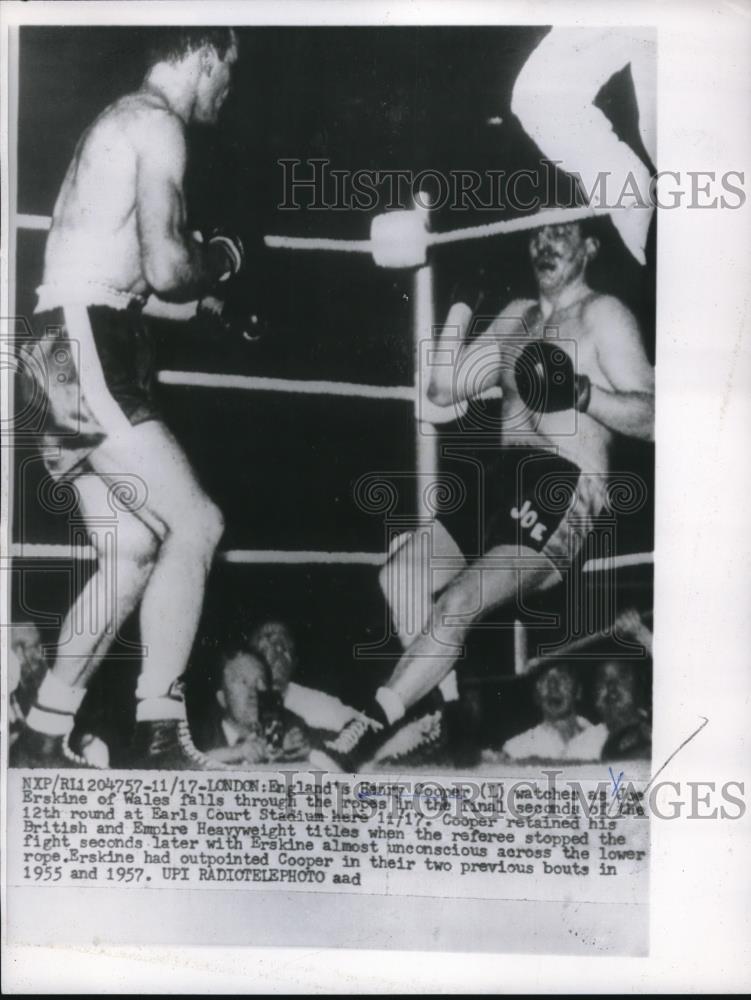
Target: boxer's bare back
{"type": "Point", "coordinates": [121, 201]}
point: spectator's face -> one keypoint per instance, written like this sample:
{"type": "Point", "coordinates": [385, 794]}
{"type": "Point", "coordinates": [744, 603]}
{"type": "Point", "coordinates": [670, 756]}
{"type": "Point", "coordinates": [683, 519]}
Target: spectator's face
{"type": "Point", "coordinates": [26, 642]}
{"type": "Point", "coordinates": [615, 693]}
{"type": "Point", "coordinates": [243, 680]}
{"type": "Point", "coordinates": [556, 692]}
{"type": "Point", "coordinates": [275, 644]}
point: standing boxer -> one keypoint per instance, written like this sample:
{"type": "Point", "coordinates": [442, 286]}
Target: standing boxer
{"type": "Point", "coordinates": [573, 372]}
{"type": "Point", "coordinates": [118, 234]}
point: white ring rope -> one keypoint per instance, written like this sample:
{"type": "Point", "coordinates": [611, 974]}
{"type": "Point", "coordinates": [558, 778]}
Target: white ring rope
{"type": "Point", "coordinates": [545, 217]}
{"type": "Point", "coordinates": [256, 557]}
{"type": "Point", "coordinates": [212, 380]}
{"type": "Point", "coordinates": [292, 557]}
{"type": "Point", "coordinates": [42, 222]}
{"type": "Point", "coordinates": [317, 243]}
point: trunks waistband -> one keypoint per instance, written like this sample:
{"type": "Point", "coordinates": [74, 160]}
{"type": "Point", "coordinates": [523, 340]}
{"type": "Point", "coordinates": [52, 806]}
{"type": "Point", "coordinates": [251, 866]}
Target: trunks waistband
{"type": "Point", "coordinates": [586, 464]}
{"type": "Point", "coordinates": [86, 293]}
{"type": "Point", "coordinates": [511, 451]}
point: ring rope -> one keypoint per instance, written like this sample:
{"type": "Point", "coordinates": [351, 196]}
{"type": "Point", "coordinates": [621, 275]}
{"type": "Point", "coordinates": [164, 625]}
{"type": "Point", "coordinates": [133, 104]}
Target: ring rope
{"type": "Point", "coordinates": [546, 217]}
{"type": "Point", "coordinates": [217, 380]}
{"type": "Point", "coordinates": [25, 221]}
{"type": "Point", "coordinates": [290, 557]}
{"type": "Point", "coordinates": [317, 243]}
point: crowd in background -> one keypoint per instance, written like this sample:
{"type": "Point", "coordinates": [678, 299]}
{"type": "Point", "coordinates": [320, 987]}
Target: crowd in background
{"type": "Point", "coordinates": [258, 713]}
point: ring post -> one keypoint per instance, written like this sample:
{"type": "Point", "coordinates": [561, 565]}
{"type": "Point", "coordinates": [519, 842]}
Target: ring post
{"type": "Point", "coordinates": [426, 443]}
{"type": "Point", "coordinates": [521, 648]}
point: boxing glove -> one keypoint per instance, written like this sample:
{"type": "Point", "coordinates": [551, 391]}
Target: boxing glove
{"type": "Point", "coordinates": [232, 318]}
{"type": "Point", "coordinates": [546, 380]}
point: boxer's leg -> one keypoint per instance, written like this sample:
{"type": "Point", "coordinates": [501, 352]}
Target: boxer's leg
{"type": "Point", "coordinates": [177, 508]}
{"type": "Point", "coordinates": [125, 550]}
{"type": "Point", "coordinates": [477, 589]}
{"type": "Point", "coordinates": [644, 76]}
{"type": "Point", "coordinates": [420, 565]}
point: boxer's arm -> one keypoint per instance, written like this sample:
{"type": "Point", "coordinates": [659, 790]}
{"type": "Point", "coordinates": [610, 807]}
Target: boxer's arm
{"type": "Point", "coordinates": [627, 403]}
{"type": "Point", "coordinates": [446, 357]}
{"type": "Point", "coordinates": [179, 312]}
{"type": "Point", "coordinates": [174, 262]}
{"type": "Point", "coordinates": [462, 369]}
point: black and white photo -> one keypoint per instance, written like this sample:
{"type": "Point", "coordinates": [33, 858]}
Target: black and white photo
{"type": "Point", "coordinates": [367, 432]}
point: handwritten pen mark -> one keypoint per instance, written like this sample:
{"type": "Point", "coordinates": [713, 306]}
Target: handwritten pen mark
{"type": "Point", "coordinates": [617, 782]}
{"type": "Point", "coordinates": [677, 750]}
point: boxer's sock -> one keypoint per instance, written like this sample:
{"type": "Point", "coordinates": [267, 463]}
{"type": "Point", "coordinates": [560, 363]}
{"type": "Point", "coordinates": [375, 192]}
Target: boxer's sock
{"type": "Point", "coordinates": [391, 705]}
{"type": "Point", "coordinates": [449, 687]}
{"type": "Point", "coordinates": [154, 703]}
{"type": "Point", "coordinates": [156, 709]}
{"type": "Point", "coordinates": [54, 711]}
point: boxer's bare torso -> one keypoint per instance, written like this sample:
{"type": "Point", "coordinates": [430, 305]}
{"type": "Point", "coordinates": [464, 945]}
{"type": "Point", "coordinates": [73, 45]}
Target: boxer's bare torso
{"type": "Point", "coordinates": [598, 333]}
{"type": "Point", "coordinates": [574, 328]}
{"type": "Point", "coordinates": [98, 221]}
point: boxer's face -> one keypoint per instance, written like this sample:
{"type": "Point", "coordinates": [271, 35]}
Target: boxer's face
{"type": "Point", "coordinates": [615, 692]}
{"type": "Point", "coordinates": [213, 85]}
{"type": "Point", "coordinates": [559, 255]}
{"type": "Point", "coordinates": [243, 679]}
{"type": "Point", "coordinates": [275, 643]}
{"type": "Point", "coordinates": [556, 692]}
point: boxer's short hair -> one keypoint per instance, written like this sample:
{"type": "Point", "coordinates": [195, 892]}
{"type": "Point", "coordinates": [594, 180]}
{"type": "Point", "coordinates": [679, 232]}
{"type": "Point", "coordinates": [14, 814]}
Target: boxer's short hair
{"type": "Point", "coordinates": [173, 44]}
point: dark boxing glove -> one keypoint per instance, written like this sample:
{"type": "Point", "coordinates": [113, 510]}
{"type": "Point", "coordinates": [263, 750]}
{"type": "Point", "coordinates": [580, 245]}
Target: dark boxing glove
{"type": "Point", "coordinates": [226, 255]}
{"type": "Point", "coordinates": [546, 381]}
{"type": "Point", "coordinates": [232, 319]}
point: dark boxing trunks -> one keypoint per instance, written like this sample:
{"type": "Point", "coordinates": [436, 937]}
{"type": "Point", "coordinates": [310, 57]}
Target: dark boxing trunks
{"type": "Point", "coordinates": [88, 374]}
{"type": "Point", "coordinates": [528, 498]}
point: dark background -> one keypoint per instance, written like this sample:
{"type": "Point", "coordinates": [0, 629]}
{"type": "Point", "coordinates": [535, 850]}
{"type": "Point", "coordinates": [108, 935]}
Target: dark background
{"type": "Point", "coordinates": [282, 467]}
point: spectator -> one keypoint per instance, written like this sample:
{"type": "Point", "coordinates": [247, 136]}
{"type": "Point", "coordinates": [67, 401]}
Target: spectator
{"type": "Point", "coordinates": [619, 701]}
{"type": "Point", "coordinates": [418, 740]}
{"type": "Point", "coordinates": [274, 641]}
{"type": "Point", "coordinates": [27, 666]}
{"type": "Point", "coordinates": [26, 671]}
{"type": "Point", "coordinates": [252, 725]}
{"type": "Point", "coordinates": [562, 734]}
{"type": "Point", "coordinates": [235, 734]}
